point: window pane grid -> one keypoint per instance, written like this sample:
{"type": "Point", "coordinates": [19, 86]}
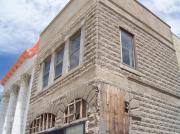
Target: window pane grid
{"type": "Point", "coordinates": [74, 60]}
{"type": "Point", "coordinates": [59, 63]}
{"type": "Point", "coordinates": [127, 48]}
{"type": "Point", "coordinates": [58, 70]}
{"type": "Point", "coordinates": [74, 50]}
{"type": "Point", "coordinates": [75, 111]}
{"type": "Point", "coordinates": [43, 122]}
{"type": "Point", "coordinates": [46, 72]}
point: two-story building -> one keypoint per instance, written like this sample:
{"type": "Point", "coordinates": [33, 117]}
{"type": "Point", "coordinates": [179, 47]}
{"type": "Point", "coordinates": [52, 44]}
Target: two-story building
{"type": "Point", "coordinates": [16, 95]}
{"type": "Point", "coordinates": [105, 67]}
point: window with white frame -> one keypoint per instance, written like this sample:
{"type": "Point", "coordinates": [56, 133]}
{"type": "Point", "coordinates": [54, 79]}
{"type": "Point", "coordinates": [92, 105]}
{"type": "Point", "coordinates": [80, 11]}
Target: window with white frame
{"type": "Point", "coordinates": [127, 46]}
{"type": "Point", "coordinates": [75, 111]}
{"type": "Point", "coordinates": [59, 62]}
{"type": "Point", "coordinates": [74, 50]}
{"type": "Point", "coordinates": [46, 70]}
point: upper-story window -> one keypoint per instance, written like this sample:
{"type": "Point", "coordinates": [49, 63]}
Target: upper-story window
{"type": "Point", "coordinates": [46, 70]}
{"type": "Point", "coordinates": [42, 123]}
{"type": "Point", "coordinates": [75, 111]}
{"type": "Point", "coordinates": [128, 54]}
{"type": "Point", "coordinates": [74, 50]}
{"type": "Point", "coordinates": [59, 62]}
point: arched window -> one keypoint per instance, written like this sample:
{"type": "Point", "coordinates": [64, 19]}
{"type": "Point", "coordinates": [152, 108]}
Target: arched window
{"type": "Point", "coordinates": [75, 110]}
{"type": "Point", "coordinates": [42, 122]}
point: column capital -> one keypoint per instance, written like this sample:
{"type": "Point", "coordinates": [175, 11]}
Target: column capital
{"type": "Point", "coordinates": [14, 89]}
{"type": "Point", "coordinates": [25, 78]}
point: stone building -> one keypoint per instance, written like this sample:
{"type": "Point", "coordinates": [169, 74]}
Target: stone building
{"type": "Point", "coordinates": [105, 67]}
{"type": "Point", "coordinates": [16, 95]}
{"type": "Point", "coordinates": [177, 47]}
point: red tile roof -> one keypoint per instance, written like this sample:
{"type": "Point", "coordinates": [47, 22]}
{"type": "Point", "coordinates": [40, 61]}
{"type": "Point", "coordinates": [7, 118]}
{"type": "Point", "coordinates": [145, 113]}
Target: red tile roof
{"type": "Point", "coordinates": [25, 55]}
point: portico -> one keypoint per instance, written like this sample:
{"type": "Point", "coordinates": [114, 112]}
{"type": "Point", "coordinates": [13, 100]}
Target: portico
{"type": "Point", "coordinates": [17, 89]}
{"type": "Point", "coordinates": [14, 106]}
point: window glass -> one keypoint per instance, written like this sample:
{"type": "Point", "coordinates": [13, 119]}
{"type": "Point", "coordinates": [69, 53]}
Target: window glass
{"type": "Point", "coordinates": [127, 48]}
{"type": "Point", "coordinates": [78, 129]}
{"type": "Point", "coordinates": [46, 72]}
{"type": "Point", "coordinates": [74, 50]}
{"type": "Point", "coordinates": [59, 63]}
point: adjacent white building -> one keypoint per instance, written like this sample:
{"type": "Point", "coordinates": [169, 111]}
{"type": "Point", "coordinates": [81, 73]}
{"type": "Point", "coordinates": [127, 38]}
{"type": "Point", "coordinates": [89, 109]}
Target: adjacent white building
{"type": "Point", "coordinates": [15, 98]}
{"type": "Point", "coordinates": [0, 97]}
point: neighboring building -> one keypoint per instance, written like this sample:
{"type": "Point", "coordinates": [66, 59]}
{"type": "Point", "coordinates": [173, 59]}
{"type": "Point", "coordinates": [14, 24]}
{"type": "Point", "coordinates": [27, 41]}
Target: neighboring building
{"type": "Point", "coordinates": [177, 47]}
{"type": "Point", "coordinates": [105, 67]}
{"type": "Point", "coordinates": [0, 97]}
{"type": "Point", "coordinates": [17, 89]}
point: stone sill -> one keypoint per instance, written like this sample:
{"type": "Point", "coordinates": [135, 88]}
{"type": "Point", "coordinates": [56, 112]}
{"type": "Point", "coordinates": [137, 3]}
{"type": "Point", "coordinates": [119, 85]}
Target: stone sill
{"type": "Point", "coordinates": [41, 91]}
{"type": "Point", "coordinates": [131, 70]}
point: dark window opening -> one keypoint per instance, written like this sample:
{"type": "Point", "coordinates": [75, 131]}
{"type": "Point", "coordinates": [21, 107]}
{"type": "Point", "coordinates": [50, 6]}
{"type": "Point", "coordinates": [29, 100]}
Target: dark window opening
{"type": "Point", "coordinates": [126, 107]}
{"type": "Point", "coordinates": [74, 50]}
{"type": "Point", "coordinates": [128, 54]}
{"type": "Point", "coordinates": [46, 70]}
{"type": "Point", "coordinates": [59, 63]}
{"type": "Point", "coordinates": [75, 111]}
{"type": "Point", "coordinates": [42, 122]}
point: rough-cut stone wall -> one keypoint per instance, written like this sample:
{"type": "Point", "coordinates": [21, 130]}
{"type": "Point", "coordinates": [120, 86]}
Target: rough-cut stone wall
{"type": "Point", "coordinates": [43, 101]}
{"type": "Point", "coordinates": [176, 41]}
{"type": "Point", "coordinates": [156, 68]}
{"type": "Point", "coordinates": [156, 61]}
{"type": "Point", "coordinates": [148, 112]}
{"type": "Point", "coordinates": [89, 17]}
{"type": "Point", "coordinates": [57, 105]}
{"type": "Point", "coordinates": [157, 115]}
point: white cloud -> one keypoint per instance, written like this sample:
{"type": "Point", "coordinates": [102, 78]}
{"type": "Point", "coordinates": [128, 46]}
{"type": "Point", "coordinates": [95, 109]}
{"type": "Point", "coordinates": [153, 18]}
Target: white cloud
{"type": "Point", "coordinates": [168, 10]}
{"type": "Point", "coordinates": [22, 21]}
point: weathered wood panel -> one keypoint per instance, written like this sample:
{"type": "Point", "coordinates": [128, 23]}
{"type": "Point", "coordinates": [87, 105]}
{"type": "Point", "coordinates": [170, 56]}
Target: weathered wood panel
{"type": "Point", "coordinates": [113, 111]}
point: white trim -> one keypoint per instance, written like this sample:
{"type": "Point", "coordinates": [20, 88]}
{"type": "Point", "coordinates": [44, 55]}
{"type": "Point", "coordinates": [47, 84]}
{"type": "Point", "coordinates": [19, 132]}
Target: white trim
{"type": "Point", "coordinates": [52, 69]}
{"type": "Point", "coordinates": [82, 38]}
{"type": "Point", "coordinates": [66, 58]}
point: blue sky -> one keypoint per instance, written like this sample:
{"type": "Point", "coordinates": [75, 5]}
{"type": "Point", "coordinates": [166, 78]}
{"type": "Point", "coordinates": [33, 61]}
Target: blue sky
{"type": "Point", "coordinates": [22, 21]}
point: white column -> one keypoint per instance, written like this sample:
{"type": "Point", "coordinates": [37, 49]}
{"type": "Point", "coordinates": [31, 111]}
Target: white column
{"type": "Point", "coordinates": [18, 123]}
{"type": "Point", "coordinates": [66, 58]}
{"type": "Point", "coordinates": [3, 109]}
{"type": "Point", "coordinates": [10, 111]}
{"type": "Point", "coordinates": [51, 71]}
{"type": "Point", "coordinates": [28, 100]}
